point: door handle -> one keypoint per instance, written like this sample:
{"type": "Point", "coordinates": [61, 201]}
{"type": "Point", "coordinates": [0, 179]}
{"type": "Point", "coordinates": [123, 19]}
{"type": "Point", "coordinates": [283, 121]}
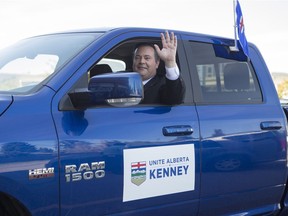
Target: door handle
{"type": "Point", "coordinates": [271, 125]}
{"type": "Point", "coordinates": [177, 130]}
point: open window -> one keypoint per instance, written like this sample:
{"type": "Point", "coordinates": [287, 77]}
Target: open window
{"type": "Point", "coordinates": [120, 58]}
{"type": "Point", "coordinates": [111, 68]}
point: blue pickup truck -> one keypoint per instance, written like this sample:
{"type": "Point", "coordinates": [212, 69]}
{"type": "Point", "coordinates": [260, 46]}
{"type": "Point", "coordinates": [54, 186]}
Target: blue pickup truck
{"type": "Point", "coordinates": [76, 140]}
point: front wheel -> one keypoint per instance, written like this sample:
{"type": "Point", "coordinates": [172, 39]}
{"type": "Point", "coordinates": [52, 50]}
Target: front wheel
{"type": "Point", "coordinates": [11, 207]}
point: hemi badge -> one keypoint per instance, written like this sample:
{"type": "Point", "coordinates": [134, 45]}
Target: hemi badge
{"type": "Point", "coordinates": [41, 173]}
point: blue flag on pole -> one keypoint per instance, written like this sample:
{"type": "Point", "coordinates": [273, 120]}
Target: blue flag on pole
{"type": "Point", "coordinates": [241, 29]}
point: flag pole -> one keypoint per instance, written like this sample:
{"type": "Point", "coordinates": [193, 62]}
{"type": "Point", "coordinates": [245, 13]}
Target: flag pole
{"type": "Point", "coordinates": [235, 24]}
{"type": "Point", "coordinates": [235, 47]}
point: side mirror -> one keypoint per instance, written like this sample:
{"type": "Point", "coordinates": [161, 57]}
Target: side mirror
{"type": "Point", "coordinates": [116, 89]}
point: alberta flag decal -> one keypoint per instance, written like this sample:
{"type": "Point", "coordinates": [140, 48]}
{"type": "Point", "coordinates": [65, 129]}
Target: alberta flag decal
{"type": "Point", "coordinates": [138, 172]}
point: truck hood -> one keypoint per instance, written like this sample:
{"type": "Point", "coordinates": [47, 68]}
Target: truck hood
{"type": "Point", "coordinates": [5, 102]}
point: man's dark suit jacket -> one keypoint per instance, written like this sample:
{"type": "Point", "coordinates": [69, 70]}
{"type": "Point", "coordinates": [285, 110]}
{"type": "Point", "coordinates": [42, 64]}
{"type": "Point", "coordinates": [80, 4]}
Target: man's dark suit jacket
{"type": "Point", "coordinates": [160, 90]}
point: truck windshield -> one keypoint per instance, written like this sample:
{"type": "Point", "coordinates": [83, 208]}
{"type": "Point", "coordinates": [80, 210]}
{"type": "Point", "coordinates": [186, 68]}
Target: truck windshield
{"type": "Point", "coordinates": [28, 63]}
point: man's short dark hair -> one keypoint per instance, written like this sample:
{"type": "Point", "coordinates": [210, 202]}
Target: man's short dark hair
{"type": "Point", "coordinates": [143, 44]}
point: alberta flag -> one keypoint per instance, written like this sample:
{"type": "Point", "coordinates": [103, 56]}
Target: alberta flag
{"type": "Point", "coordinates": [241, 29]}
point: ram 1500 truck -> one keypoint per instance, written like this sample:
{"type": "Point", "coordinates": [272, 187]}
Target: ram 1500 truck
{"type": "Point", "coordinates": [76, 140]}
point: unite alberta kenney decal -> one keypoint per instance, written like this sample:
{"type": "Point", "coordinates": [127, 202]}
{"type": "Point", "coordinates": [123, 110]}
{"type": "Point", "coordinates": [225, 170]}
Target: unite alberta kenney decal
{"type": "Point", "coordinates": [157, 171]}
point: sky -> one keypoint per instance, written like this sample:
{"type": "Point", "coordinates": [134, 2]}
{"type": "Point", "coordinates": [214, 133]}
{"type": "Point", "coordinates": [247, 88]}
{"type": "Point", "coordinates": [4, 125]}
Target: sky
{"type": "Point", "coordinates": [265, 20]}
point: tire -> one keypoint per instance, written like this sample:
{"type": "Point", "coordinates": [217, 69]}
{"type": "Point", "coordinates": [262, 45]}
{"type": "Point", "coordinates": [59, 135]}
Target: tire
{"type": "Point", "coordinates": [10, 207]}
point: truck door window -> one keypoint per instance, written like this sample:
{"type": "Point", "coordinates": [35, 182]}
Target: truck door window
{"type": "Point", "coordinates": [120, 59]}
{"type": "Point", "coordinates": [222, 77]}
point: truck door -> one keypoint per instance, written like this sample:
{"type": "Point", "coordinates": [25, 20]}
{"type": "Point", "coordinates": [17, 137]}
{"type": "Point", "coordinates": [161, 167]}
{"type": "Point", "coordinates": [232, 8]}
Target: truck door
{"type": "Point", "coordinates": [118, 159]}
{"type": "Point", "coordinates": [241, 129]}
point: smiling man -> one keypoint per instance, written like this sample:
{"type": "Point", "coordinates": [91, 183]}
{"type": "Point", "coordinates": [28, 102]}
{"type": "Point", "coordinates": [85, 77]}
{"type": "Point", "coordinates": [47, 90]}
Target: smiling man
{"type": "Point", "coordinates": [159, 89]}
